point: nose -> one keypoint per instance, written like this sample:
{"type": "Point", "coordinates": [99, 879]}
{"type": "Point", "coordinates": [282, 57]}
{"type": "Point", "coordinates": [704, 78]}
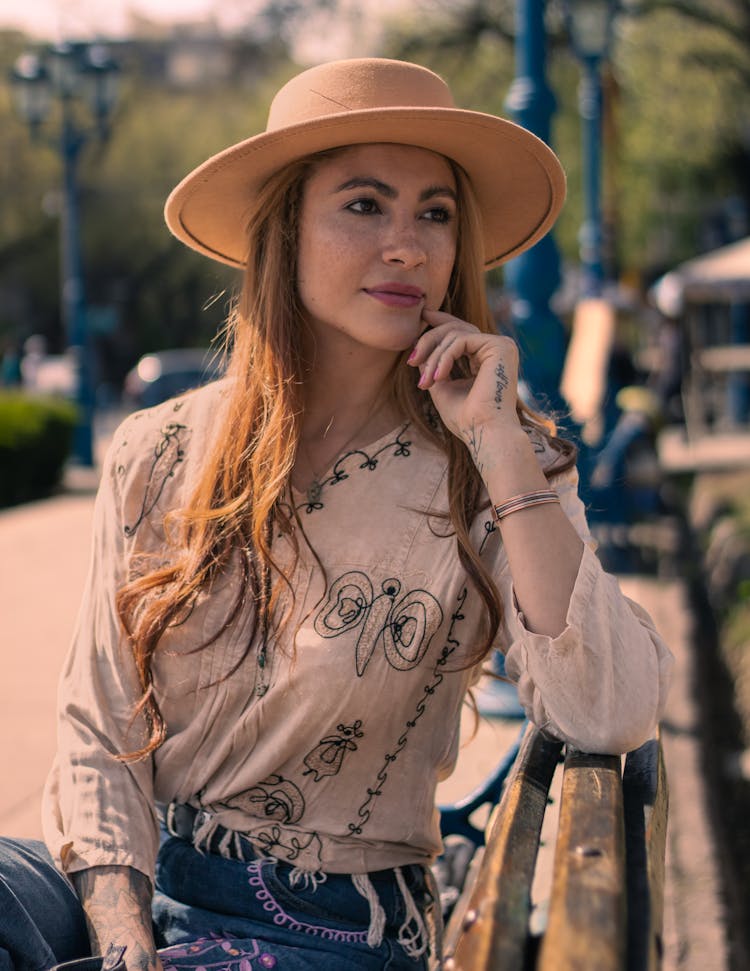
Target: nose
{"type": "Point", "coordinates": [403, 247]}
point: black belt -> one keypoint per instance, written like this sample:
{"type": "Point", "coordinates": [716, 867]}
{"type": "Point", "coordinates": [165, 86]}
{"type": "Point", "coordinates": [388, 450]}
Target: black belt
{"type": "Point", "coordinates": [184, 821]}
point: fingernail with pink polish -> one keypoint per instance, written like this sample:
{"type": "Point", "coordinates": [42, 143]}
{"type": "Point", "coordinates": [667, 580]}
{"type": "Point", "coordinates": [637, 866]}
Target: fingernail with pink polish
{"type": "Point", "coordinates": [411, 357]}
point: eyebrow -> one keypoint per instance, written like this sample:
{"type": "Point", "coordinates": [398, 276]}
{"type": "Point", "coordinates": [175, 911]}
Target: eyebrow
{"type": "Point", "coordinates": [368, 182]}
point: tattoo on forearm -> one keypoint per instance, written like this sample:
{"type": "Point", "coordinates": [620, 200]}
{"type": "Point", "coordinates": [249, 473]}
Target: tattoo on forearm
{"type": "Point", "coordinates": [474, 441]}
{"type": "Point", "coordinates": [501, 385]}
{"type": "Point", "coordinates": [117, 903]}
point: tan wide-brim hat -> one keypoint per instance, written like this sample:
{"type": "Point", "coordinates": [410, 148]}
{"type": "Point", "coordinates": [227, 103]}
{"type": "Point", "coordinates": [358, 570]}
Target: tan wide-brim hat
{"type": "Point", "coordinates": [518, 181]}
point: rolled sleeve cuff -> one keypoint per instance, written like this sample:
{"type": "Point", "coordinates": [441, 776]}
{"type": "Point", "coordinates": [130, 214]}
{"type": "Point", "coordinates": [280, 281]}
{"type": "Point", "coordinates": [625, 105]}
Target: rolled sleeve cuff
{"type": "Point", "coordinates": [601, 683]}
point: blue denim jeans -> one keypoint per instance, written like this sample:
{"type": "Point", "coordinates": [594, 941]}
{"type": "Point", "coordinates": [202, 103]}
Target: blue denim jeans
{"type": "Point", "coordinates": [220, 914]}
{"type": "Point", "coordinates": [41, 921]}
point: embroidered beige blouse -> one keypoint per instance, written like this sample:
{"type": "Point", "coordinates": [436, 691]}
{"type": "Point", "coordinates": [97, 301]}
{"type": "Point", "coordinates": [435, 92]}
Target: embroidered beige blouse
{"type": "Point", "coordinates": [335, 766]}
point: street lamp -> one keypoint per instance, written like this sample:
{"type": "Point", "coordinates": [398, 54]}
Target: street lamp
{"type": "Point", "coordinates": [590, 27]}
{"type": "Point", "coordinates": [585, 374]}
{"type": "Point", "coordinates": [82, 80]}
{"type": "Point", "coordinates": [534, 276]}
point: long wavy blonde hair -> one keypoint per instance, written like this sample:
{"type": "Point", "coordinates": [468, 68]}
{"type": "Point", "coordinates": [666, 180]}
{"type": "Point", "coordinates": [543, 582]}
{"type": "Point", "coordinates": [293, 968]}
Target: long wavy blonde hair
{"type": "Point", "coordinates": [244, 478]}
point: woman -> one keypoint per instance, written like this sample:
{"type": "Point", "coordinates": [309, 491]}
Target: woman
{"type": "Point", "coordinates": [298, 570]}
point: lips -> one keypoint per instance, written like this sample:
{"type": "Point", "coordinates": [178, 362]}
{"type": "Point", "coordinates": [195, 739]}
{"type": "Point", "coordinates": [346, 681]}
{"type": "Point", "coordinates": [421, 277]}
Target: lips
{"type": "Point", "coordinates": [396, 294]}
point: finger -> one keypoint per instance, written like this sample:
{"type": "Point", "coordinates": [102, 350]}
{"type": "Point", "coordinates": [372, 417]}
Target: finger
{"type": "Point", "coordinates": [439, 352]}
{"type": "Point", "coordinates": [431, 339]}
{"type": "Point", "coordinates": [445, 356]}
{"type": "Point", "coordinates": [454, 345]}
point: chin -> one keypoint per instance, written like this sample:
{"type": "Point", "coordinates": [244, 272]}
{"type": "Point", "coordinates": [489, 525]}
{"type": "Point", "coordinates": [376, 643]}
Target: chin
{"type": "Point", "coordinates": [403, 336]}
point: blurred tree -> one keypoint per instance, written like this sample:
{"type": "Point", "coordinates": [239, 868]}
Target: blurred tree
{"type": "Point", "coordinates": [729, 19]}
{"type": "Point", "coordinates": [145, 290]}
{"type": "Point", "coordinates": [684, 165]}
{"type": "Point", "coordinates": [28, 229]}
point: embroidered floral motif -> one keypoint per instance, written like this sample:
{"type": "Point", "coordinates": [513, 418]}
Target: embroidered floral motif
{"type": "Point", "coordinates": [219, 953]}
{"type": "Point", "coordinates": [327, 757]}
{"type": "Point", "coordinates": [282, 919]}
{"type": "Point", "coordinates": [167, 456]}
{"type": "Point", "coordinates": [288, 844]}
{"type": "Point", "coordinates": [344, 467]}
{"type": "Point", "coordinates": [438, 676]}
{"type": "Point", "coordinates": [276, 797]}
{"type": "Point", "coordinates": [402, 627]}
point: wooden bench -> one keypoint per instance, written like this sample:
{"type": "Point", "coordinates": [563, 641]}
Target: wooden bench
{"type": "Point", "coordinates": [606, 902]}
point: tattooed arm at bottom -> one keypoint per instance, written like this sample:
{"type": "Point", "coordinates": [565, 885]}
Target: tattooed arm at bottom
{"type": "Point", "coordinates": [117, 904]}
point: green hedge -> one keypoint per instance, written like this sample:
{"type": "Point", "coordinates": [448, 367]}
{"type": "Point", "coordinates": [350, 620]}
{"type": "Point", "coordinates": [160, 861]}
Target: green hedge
{"type": "Point", "coordinates": [36, 435]}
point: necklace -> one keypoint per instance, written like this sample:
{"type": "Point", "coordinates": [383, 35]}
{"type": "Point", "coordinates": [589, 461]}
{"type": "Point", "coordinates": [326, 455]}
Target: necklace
{"type": "Point", "coordinates": [315, 486]}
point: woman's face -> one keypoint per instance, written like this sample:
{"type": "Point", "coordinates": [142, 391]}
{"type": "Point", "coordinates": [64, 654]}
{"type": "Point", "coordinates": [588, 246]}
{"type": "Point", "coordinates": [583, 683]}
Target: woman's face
{"type": "Point", "coordinates": [377, 243]}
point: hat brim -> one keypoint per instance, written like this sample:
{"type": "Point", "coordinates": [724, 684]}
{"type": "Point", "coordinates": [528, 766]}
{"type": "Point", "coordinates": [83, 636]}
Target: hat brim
{"type": "Point", "coordinates": [518, 181]}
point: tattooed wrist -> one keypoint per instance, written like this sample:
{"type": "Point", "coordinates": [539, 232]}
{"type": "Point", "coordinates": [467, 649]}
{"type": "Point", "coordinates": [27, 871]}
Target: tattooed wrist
{"type": "Point", "coordinates": [501, 383]}
{"type": "Point", "coordinates": [117, 903]}
{"type": "Point", "coordinates": [473, 437]}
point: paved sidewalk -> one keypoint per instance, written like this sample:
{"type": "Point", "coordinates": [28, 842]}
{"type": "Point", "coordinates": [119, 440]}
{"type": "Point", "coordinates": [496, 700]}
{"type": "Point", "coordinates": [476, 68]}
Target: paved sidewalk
{"type": "Point", "coordinates": [43, 560]}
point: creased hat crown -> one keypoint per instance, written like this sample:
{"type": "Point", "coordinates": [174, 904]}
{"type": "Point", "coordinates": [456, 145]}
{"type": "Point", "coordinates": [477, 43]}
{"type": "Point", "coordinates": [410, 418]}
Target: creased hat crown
{"type": "Point", "coordinates": [357, 85]}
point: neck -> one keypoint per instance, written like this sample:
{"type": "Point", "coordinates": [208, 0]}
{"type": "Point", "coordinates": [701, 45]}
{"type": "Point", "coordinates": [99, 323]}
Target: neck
{"type": "Point", "coordinates": [342, 389]}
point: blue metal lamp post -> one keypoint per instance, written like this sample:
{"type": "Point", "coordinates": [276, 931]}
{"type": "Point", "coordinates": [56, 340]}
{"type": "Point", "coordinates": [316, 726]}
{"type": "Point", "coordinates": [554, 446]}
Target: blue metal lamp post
{"type": "Point", "coordinates": [590, 25]}
{"type": "Point", "coordinates": [586, 372]}
{"type": "Point", "coordinates": [534, 276]}
{"type": "Point", "coordinates": [590, 28]}
{"type": "Point", "coordinates": [81, 78]}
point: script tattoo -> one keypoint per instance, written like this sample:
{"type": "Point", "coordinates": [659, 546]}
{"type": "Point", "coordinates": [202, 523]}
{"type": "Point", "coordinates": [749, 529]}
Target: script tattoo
{"type": "Point", "coordinates": [117, 904]}
{"type": "Point", "coordinates": [502, 383]}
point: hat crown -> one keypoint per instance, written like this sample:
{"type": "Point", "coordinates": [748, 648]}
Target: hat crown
{"type": "Point", "coordinates": [356, 85]}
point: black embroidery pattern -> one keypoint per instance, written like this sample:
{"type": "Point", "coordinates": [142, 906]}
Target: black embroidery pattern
{"type": "Point", "coordinates": [489, 529]}
{"type": "Point", "coordinates": [288, 844]}
{"type": "Point", "coordinates": [403, 627]}
{"type": "Point", "coordinates": [167, 456]}
{"type": "Point", "coordinates": [276, 798]}
{"type": "Point", "coordinates": [328, 756]}
{"type": "Point", "coordinates": [369, 462]}
{"type": "Point", "coordinates": [438, 676]}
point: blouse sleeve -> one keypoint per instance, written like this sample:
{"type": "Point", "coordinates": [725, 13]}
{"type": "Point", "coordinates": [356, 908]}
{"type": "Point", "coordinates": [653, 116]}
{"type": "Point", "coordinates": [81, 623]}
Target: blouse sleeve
{"type": "Point", "coordinates": [98, 810]}
{"type": "Point", "coordinates": [600, 685]}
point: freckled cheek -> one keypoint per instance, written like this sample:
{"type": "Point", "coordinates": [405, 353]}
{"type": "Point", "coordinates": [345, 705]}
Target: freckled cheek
{"type": "Point", "coordinates": [327, 267]}
{"type": "Point", "coordinates": [329, 252]}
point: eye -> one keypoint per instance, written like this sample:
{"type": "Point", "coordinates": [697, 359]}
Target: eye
{"type": "Point", "coordinates": [363, 207]}
{"type": "Point", "coordinates": [438, 214]}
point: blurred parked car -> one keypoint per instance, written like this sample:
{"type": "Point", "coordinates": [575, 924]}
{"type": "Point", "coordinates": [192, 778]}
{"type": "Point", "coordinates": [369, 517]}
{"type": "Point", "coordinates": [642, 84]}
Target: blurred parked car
{"type": "Point", "coordinates": [164, 374]}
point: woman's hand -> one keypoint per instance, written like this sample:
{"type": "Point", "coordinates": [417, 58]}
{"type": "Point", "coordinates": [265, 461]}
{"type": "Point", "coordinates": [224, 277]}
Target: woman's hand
{"type": "Point", "coordinates": [468, 406]}
{"type": "Point", "coordinates": [543, 549]}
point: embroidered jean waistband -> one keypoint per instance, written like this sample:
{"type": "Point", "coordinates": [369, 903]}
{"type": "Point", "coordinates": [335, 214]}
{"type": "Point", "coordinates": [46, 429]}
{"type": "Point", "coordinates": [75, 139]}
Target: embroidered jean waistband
{"type": "Point", "coordinates": [201, 829]}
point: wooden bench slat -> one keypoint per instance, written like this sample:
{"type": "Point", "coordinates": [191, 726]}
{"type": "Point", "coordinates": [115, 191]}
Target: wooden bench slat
{"type": "Point", "coordinates": [587, 921]}
{"type": "Point", "coordinates": [646, 803]}
{"type": "Point", "coordinates": [727, 357]}
{"type": "Point", "coordinates": [491, 933]}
